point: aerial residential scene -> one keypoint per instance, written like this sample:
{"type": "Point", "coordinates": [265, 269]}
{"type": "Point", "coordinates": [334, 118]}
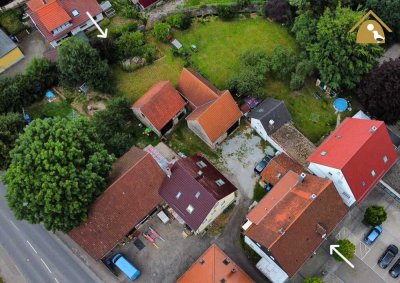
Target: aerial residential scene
{"type": "Point", "coordinates": [199, 141]}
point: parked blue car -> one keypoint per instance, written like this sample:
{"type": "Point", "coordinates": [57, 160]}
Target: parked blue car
{"type": "Point", "coordinates": [373, 234]}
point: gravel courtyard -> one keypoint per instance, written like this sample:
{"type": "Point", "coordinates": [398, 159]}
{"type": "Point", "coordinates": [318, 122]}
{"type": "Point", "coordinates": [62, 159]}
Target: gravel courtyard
{"type": "Point", "coordinates": [240, 154]}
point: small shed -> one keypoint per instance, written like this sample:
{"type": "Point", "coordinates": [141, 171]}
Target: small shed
{"type": "Point", "coordinates": [107, 9]}
{"type": "Point", "coordinates": [176, 44]}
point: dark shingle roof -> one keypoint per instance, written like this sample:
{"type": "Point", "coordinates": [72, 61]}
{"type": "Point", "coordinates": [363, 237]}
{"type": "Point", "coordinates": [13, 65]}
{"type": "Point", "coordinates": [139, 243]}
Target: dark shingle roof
{"type": "Point", "coordinates": [6, 44]}
{"type": "Point", "coordinates": [271, 109]}
{"type": "Point", "coordinates": [186, 181]}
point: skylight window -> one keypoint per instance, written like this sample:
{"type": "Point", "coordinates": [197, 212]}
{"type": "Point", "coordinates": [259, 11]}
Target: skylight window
{"type": "Point", "coordinates": [75, 13]}
{"type": "Point", "coordinates": [220, 182]}
{"type": "Point", "coordinates": [201, 164]}
{"type": "Point", "coordinates": [385, 159]}
{"type": "Point", "coordinates": [373, 173]}
{"type": "Point", "coordinates": [178, 195]}
{"type": "Point", "coordinates": [190, 209]}
{"type": "Point", "coordinates": [197, 195]}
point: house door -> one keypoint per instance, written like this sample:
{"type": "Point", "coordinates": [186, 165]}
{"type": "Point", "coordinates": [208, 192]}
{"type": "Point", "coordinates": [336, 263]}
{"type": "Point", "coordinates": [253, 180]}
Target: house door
{"type": "Point", "coordinates": [167, 127]}
{"type": "Point", "coordinates": [233, 128]}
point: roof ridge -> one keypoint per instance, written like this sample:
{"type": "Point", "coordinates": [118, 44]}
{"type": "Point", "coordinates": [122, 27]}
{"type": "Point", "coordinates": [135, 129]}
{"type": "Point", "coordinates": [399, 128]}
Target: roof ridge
{"type": "Point", "coordinates": [186, 170]}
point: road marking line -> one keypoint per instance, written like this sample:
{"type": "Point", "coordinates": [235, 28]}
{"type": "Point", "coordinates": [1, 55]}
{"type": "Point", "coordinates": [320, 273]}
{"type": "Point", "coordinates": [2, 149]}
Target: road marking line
{"type": "Point", "coordinates": [31, 246]}
{"type": "Point", "coordinates": [56, 280]}
{"type": "Point", "coordinates": [15, 226]}
{"type": "Point", "coordinates": [46, 265]}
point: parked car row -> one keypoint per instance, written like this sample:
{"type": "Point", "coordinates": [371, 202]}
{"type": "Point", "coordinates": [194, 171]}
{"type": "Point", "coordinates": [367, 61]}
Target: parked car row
{"type": "Point", "coordinates": [388, 256]}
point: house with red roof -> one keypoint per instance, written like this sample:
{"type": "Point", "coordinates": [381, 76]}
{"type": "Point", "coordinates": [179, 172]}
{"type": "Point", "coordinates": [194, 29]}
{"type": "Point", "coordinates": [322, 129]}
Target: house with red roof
{"type": "Point", "coordinates": [197, 192]}
{"type": "Point", "coordinates": [215, 114]}
{"type": "Point", "coordinates": [355, 157]}
{"type": "Point", "coordinates": [130, 199]}
{"type": "Point", "coordinates": [291, 222]}
{"type": "Point", "coordinates": [214, 266]}
{"type": "Point", "coordinates": [59, 19]}
{"type": "Point", "coordinates": [160, 108]}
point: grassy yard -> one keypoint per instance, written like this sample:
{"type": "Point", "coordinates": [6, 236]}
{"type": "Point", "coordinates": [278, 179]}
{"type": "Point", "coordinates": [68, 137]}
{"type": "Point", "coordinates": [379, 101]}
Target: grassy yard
{"type": "Point", "coordinates": [54, 109]}
{"type": "Point", "coordinates": [184, 140]}
{"type": "Point", "coordinates": [10, 20]}
{"type": "Point", "coordinates": [219, 46]}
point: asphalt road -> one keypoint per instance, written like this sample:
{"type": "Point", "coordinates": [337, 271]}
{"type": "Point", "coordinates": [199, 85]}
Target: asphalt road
{"type": "Point", "coordinates": [38, 254]}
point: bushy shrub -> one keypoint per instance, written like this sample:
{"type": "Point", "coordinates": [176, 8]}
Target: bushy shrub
{"type": "Point", "coordinates": [161, 31]}
{"type": "Point", "coordinates": [313, 280]}
{"type": "Point", "coordinates": [278, 10]}
{"type": "Point", "coordinates": [346, 248]}
{"type": "Point", "coordinates": [375, 215]}
{"type": "Point", "coordinates": [180, 21]}
{"type": "Point", "coordinates": [296, 81]}
{"type": "Point", "coordinates": [130, 44]}
{"type": "Point", "coordinates": [225, 12]}
{"type": "Point", "coordinates": [283, 62]}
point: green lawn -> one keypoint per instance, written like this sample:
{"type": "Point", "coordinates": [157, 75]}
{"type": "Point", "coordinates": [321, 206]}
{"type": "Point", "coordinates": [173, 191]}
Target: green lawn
{"type": "Point", "coordinates": [10, 20]}
{"type": "Point", "coordinates": [219, 47]}
{"type": "Point", "coordinates": [220, 44]}
{"type": "Point", "coordinates": [54, 109]}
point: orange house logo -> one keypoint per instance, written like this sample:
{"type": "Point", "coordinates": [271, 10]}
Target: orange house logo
{"type": "Point", "coordinates": [370, 31]}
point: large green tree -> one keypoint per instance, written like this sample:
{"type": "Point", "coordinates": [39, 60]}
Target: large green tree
{"type": "Point", "coordinates": [114, 126]}
{"type": "Point", "coordinates": [11, 124]}
{"type": "Point", "coordinates": [80, 63]}
{"type": "Point", "coordinates": [57, 169]}
{"type": "Point", "coordinates": [341, 62]}
{"type": "Point", "coordinates": [130, 44]}
{"type": "Point", "coordinates": [24, 89]}
{"type": "Point", "coordinates": [380, 91]}
{"type": "Point", "coordinates": [389, 12]}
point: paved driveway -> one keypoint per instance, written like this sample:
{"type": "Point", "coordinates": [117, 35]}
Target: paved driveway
{"type": "Point", "coordinates": [33, 45]}
{"type": "Point", "coordinates": [240, 154]}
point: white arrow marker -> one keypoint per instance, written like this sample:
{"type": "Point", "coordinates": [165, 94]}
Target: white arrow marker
{"type": "Point", "coordinates": [103, 34]}
{"type": "Point", "coordinates": [332, 248]}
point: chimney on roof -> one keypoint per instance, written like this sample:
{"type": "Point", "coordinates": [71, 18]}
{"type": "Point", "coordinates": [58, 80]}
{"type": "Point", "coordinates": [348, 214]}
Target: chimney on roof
{"type": "Point", "coordinates": [201, 261]}
{"type": "Point", "coordinates": [199, 174]}
{"type": "Point", "coordinates": [302, 176]}
{"type": "Point", "coordinates": [313, 197]}
{"type": "Point", "coordinates": [282, 231]}
{"type": "Point", "coordinates": [271, 124]}
{"type": "Point", "coordinates": [373, 129]}
{"type": "Point", "coordinates": [233, 270]}
{"type": "Point", "coordinates": [226, 261]}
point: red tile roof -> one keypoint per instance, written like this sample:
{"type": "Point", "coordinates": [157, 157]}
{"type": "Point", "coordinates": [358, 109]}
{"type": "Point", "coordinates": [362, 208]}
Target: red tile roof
{"type": "Point", "coordinates": [218, 116]}
{"type": "Point", "coordinates": [147, 3]}
{"type": "Point", "coordinates": [291, 219]}
{"type": "Point", "coordinates": [185, 179]}
{"type": "Point", "coordinates": [126, 202]}
{"type": "Point", "coordinates": [278, 167]}
{"type": "Point", "coordinates": [196, 89]}
{"type": "Point", "coordinates": [213, 269]}
{"type": "Point", "coordinates": [160, 104]}
{"type": "Point", "coordinates": [356, 149]}
{"type": "Point", "coordinates": [53, 16]}
{"type": "Point", "coordinates": [45, 18]}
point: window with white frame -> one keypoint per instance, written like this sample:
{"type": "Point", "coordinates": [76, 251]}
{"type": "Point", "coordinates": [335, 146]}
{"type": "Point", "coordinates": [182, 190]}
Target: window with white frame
{"type": "Point", "coordinates": [197, 194]}
{"type": "Point", "coordinates": [201, 164]}
{"type": "Point", "coordinates": [220, 182]}
{"type": "Point", "coordinates": [385, 159]}
{"type": "Point", "coordinates": [178, 195]}
{"type": "Point", "coordinates": [373, 173]}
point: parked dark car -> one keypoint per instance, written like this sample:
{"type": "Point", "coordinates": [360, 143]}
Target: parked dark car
{"type": "Point", "coordinates": [263, 163]}
{"type": "Point", "coordinates": [388, 256]}
{"type": "Point", "coordinates": [395, 270]}
{"type": "Point", "coordinates": [373, 234]}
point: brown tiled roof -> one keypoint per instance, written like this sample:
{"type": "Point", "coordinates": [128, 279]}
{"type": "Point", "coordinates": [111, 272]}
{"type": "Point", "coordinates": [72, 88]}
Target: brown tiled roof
{"type": "Point", "coordinates": [122, 206]}
{"type": "Point", "coordinates": [294, 143]}
{"type": "Point", "coordinates": [278, 167]}
{"type": "Point", "coordinates": [186, 180]}
{"type": "Point", "coordinates": [291, 216]}
{"type": "Point", "coordinates": [218, 116]}
{"type": "Point", "coordinates": [213, 269]}
{"type": "Point", "coordinates": [196, 89]}
{"type": "Point", "coordinates": [160, 104]}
